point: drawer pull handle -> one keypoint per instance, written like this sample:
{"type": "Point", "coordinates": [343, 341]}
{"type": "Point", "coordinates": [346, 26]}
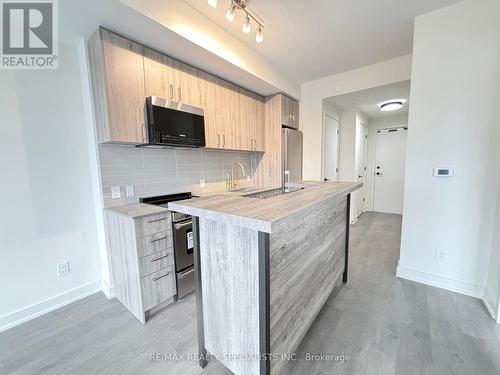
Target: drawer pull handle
{"type": "Point", "coordinates": [155, 221]}
{"type": "Point", "coordinates": [159, 239]}
{"type": "Point", "coordinates": [159, 258]}
{"type": "Point", "coordinates": [160, 277]}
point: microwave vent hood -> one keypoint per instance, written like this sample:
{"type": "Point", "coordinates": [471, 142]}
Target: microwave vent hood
{"type": "Point", "coordinates": [173, 124]}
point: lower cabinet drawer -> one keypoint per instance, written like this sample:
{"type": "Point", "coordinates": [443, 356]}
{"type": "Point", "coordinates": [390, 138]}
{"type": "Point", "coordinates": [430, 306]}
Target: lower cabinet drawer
{"type": "Point", "coordinates": [156, 262]}
{"type": "Point", "coordinates": [154, 243]}
{"type": "Point", "coordinates": [152, 224]}
{"type": "Point", "coordinates": [158, 287]}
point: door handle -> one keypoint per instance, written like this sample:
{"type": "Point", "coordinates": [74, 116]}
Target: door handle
{"type": "Point", "coordinates": [223, 141]}
{"type": "Point", "coordinates": [183, 225]}
{"type": "Point", "coordinates": [218, 140]}
{"type": "Point", "coordinates": [379, 174]}
{"type": "Point", "coordinates": [359, 176]}
{"type": "Point", "coordinates": [179, 93]}
{"type": "Point", "coordinates": [182, 275]}
{"type": "Point", "coordinates": [171, 92]}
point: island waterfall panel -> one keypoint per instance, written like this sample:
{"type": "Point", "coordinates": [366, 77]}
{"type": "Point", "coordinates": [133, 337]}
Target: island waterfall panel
{"type": "Point", "coordinates": [230, 279]}
{"type": "Point", "coordinates": [307, 262]}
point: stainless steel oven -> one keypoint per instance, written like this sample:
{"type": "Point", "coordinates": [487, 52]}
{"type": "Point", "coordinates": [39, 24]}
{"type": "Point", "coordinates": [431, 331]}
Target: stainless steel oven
{"type": "Point", "coordinates": [183, 250]}
{"type": "Point", "coordinates": [182, 229]}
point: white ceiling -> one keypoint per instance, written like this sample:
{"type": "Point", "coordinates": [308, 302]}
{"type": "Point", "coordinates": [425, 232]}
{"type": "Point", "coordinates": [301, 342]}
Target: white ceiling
{"type": "Point", "coordinates": [310, 39]}
{"type": "Point", "coordinates": [366, 101]}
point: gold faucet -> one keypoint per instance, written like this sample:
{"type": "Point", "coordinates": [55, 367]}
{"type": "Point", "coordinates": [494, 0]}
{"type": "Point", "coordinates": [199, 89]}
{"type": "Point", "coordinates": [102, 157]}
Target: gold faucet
{"type": "Point", "coordinates": [233, 184]}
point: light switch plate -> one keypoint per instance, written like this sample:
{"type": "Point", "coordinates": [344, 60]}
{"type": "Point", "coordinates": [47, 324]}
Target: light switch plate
{"type": "Point", "coordinates": [202, 183]}
{"type": "Point", "coordinates": [115, 192]}
{"type": "Point", "coordinates": [249, 179]}
{"type": "Point", "coordinates": [129, 191]}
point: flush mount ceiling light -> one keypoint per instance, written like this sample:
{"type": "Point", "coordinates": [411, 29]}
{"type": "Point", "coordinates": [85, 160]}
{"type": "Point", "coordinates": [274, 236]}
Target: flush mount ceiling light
{"type": "Point", "coordinates": [392, 105]}
{"type": "Point", "coordinates": [242, 5]}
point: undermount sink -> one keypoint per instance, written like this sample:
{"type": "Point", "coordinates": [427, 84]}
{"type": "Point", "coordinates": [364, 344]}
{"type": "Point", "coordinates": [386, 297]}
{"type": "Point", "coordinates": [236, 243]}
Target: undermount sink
{"type": "Point", "coordinates": [273, 192]}
{"type": "Point", "coordinates": [244, 190]}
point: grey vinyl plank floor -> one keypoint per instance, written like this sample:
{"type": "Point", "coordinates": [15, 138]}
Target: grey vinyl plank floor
{"type": "Point", "coordinates": [376, 324]}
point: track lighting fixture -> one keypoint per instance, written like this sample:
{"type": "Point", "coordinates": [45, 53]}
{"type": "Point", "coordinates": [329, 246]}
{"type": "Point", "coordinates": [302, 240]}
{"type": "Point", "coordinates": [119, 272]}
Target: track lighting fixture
{"type": "Point", "coordinates": [259, 37]}
{"type": "Point", "coordinates": [230, 12]}
{"type": "Point", "coordinates": [246, 24]}
{"type": "Point", "coordinates": [242, 5]}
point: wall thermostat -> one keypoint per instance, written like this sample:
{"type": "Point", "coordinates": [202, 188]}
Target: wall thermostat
{"type": "Point", "coordinates": [443, 172]}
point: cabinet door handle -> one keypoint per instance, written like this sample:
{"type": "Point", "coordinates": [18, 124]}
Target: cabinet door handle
{"type": "Point", "coordinates": [154, 221]}
{"type": "Point", "coordinates": [223, 141]}
{"type": "Point", "coordinates": [179, 93]}
{"type": "Point", "coordinates": [159, 258]}
{"type": "Point", "coordinates": [160, 277]}
{"type": "Point", "coordinates": [171, 92]}
{"type": "Point", "coordinates": [218, 140]}
{"type": "Point", "coordinates": [159, 239]}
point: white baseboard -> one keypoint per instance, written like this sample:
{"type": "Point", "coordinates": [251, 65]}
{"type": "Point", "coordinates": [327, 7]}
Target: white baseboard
{"type": "Point", "coordinates": [37, 309]}
{"type": "Point", "coordinates": [488, 302]}
{"type": "Point", "coordinates": [458, 286]}
{"type": "Point", "coordinates": [107, 289]}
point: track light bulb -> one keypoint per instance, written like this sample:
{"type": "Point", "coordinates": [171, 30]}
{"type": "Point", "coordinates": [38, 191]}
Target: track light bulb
{"type": "Point", "coordinates": [230, 12]}
{"type": "Point", "coordinates": [246, 24]}
{"type": "Point", "coordinates": [259, 37]}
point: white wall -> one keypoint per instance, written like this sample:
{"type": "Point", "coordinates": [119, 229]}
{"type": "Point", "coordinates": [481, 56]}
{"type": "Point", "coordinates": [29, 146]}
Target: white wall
{"type": "Point", "coordinates": [47, 213]}
{"type": "Point", "coordinates": [313, 93]}
{"type": "Point", "coordinates": [374, 124]}
{"type": "Point", "coordinates": [453, 121]}
{"type": "Point", "coordinates": [492, 292]}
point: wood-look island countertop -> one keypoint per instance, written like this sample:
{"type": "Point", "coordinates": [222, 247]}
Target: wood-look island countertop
{"type": "Point", "coordinates": [262, 214]}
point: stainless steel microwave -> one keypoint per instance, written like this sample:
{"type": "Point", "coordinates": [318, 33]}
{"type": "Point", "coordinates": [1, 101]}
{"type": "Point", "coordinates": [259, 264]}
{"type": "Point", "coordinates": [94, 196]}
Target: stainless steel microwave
{"type": "Point", "coordinates": [172, 123]}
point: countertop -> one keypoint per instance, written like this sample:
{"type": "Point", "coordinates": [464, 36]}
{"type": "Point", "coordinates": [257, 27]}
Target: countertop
{"type": "Point", "coordinates": [136, 210]}
{"type": "Point", "coordinates": [262, 214]}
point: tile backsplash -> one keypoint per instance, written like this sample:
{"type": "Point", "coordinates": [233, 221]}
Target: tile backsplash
{"type": "Point", "coordinates": [165, 171]}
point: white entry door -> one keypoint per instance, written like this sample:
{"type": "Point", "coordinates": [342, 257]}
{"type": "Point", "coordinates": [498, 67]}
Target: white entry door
{"type": "Point", "coordinates": [390, 157]}
{"type": "Point", "coordinates": [361, 151]}
{"type": "Point", "coordinates": [331, 149]}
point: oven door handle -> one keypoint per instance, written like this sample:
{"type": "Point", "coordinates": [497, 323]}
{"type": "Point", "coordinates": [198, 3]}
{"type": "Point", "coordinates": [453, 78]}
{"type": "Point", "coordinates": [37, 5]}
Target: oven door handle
{"type": "Point", "coordinates": [186, 224]}
{"type": "Point", "coordinates": [184, 274]}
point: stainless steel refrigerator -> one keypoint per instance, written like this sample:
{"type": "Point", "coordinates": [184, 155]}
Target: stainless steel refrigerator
{"type": "Point", "coordinates": [291, 155]}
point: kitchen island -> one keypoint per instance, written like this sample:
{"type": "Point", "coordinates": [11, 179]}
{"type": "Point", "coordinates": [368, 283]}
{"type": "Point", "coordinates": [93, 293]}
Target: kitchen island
{"type": "Point", "coordinates": [264, 269]}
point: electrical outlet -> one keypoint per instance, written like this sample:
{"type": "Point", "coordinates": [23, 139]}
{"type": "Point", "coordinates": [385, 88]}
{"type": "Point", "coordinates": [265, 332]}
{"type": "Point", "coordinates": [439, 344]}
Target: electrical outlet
{"type": "Point", "coordinates": [202, 183]}
{"type": "Point", "coordinates": [440, 255]}
{"type": "Point", "coordinates": [63, 269]}
{"type": "Point", "coordinates": [116, 192]}
{"type": "Point", "coordinates": [129, 191]}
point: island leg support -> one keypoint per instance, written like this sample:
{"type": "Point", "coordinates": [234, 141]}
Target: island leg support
{"type": "Point", "coordinates": [202, 351]}
{"type": "Point", "coordinates": [347, 227]}
{"type": "Point", "coordinates": [264, 304]}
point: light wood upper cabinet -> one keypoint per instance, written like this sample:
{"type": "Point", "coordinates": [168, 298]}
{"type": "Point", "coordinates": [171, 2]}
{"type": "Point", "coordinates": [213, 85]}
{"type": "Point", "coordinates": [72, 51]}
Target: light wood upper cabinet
{"type": "Point", "coordinates": [158, 75]}
{"type": "Point", "coordinates": [124, 73]}
{"type": "Point", "coordinates": [289, 112]}
{"type": "Point", "coordinates": [251, 121]}
{"type": "Point", "coordinates": [117, 70]}
{"type": "Point", "coordinates": [212, 120]}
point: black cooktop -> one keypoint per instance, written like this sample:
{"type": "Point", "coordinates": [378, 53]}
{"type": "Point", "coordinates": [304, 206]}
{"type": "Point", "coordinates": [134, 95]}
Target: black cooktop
{"type": "Point", "coordinates": [164, 199]}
